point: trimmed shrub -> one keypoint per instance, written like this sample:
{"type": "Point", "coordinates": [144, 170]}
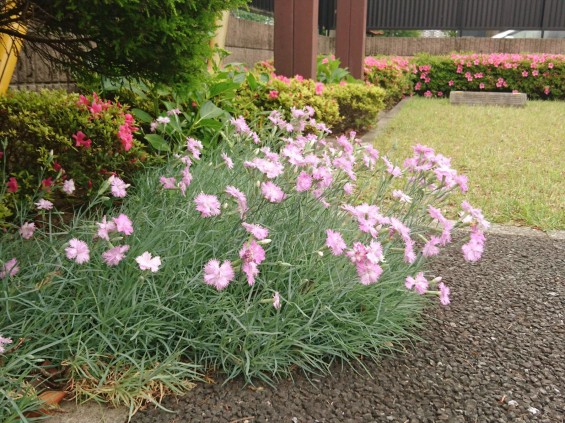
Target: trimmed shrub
{"type": "Point", "coordinates": [391, 74]}
{"type": "Point", "coordinates": [53, 136]}
{"type": "Point", "coordinates": [358, 105]}
{"type": "Point", "coordinates": [340, 106]}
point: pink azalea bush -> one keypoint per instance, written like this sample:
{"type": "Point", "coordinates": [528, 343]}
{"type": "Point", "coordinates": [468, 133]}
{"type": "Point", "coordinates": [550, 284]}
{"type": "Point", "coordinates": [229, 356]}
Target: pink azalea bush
{"type": "Point", "coordinates": [250, 266]}
{"type": "Point", "coordinates": [62, 146]}
{"type": "Point", "coordinates": [540, 76]}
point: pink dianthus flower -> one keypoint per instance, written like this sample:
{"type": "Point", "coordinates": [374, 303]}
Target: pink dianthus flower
{"type": "Point", "coordinates": [207, 205]}
{"type": "Point", "coordinates": [239, 197]}
{"type": "Point", "coordinates": [117, 187]}
{"type": "Point", "coordinates": [115, 255]}
{"type": "Point", "coordinates": [258, 231]}
{"type": "Point", "coordinates": [219, 276]}
{"type": "Point", "coordinates": [10, 268]}
{"type": "Point", "coordinates": [123, 224]}
{"type": "Point", "coordinates": [78, 251]}
{"type": "Point", "coordinates": [335, 242]}
{"type": "Point", "coordinates": [27, 230]}
{"type": "Point", "coordinates": [272, 192]}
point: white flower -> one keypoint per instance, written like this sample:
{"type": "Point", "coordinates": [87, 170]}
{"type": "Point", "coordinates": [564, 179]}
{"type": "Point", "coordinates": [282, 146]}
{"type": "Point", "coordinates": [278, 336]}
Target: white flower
{"type": "Point", "coordinates": [44, 204]}
{"type": "Point", "coordinates": [146, 262]}
{"type": "Point", "coordinates": [69, 187]}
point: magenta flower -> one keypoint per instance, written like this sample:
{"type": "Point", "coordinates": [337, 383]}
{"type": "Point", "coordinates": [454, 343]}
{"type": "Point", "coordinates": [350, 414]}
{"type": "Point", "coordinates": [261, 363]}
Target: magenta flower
{"type": "Point", "coordinates": [12, 185]}
{"type": "Point", "coordinates": [10, 268]}
{"type": "Point", "coordinates": [78, 251]}
{"type": "Point", "coordinates": [443, 294]}
{"type": "Point", "coordinates": [219, 276]}
{"type": "Point", "coordinates": [69, 187]}
{"type": "Point", "coordinates": [81, 141]}
{"type": "Point", "coordinates": [3, 343]}
{"type": "Point", "coordinates": [146, 262]}
{"type": "Point", "coordinates": [168, 183]}
{"type": "Point", "coordinates": [335, 242]}
{"type": "Point", "coordinates": [207, 205]}
{"type": "Point", "coordinates": [44, 204]}
{"type": "Point", "coordinates": [258, 231]}
{"type": "Point", "coordinates": [115, 255]}
{"type": "Point", "coordinates": [239, 197]}
{"type": "Point", "coordinates": [27, 230]}
{"type": "Point", "coordinates": [272, 192]}
{"type": "Point", "coordinates": [227, 160]}
{"type": "Point", "coordinates": [118, 187]}
{"type": "Point", "coordinates": [123, 224]}
{"type": "Point", "coordinates": [277, 301]}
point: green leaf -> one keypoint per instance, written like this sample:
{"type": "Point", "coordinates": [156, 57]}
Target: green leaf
{"type": "Point", "coordinates": [157, 142]}
{"type": "Point", "coordinates": [210, 111]}
{"type": "Point", "coordinates": [264, 78]}
{"type": "Point", "coordinates": [211, 123]}
{"type": "Point", "coordinates": [223, 87]}
{"type": "Point", "coordinates": [240, 78]}
{"type": "Point", "coordinates": [142, 116]}
{"type": "Point", "coordinates": [252, 81]}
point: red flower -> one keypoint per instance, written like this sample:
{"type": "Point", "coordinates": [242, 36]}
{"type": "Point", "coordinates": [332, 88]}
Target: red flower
{"type": "Point", "coordinates": [83, 101]}
{"type": "Point", "coordinates": [57, 166]}
{"type": "Point", "coordinates": [47, 183]}
{"type": "Point", "coordinates": [79, 137]}
{"type": "Point", "coordinates": [126, 137]}
{"type": "Point", "coordinates": [12, 185]}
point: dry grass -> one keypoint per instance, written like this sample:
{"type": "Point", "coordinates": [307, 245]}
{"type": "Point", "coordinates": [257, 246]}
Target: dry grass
{"type": "Point", "coordinates": [514, 158]}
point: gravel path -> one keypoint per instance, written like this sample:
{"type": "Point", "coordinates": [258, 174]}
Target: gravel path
{"type": "Point", "coordinates": [496, 354]}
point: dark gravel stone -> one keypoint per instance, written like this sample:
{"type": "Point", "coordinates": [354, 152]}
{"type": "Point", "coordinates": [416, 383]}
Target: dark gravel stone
{"type": "Point", "coordinates": [502, 339]}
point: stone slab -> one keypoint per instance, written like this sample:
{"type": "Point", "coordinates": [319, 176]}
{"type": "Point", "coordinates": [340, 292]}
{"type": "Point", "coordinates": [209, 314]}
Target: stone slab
{"type": "Point", "coordinates": [488, 98]}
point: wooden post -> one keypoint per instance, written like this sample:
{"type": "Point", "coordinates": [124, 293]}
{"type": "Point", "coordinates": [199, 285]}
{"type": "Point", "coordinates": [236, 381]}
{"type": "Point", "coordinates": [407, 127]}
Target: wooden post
{"type": "Point", "coordinates": [350, 35]}
{"type": "Point", "coordinates": [296, 37]}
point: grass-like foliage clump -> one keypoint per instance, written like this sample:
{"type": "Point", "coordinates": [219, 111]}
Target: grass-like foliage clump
{"type": "Point", "coordinates": [255, 260]}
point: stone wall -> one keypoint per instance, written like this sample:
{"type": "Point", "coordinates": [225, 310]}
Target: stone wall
{"type": "Point", "coordinates": [34, 73]}
{"type": "Point", "coordinates": [413, 46]}
{"type": "Point", "coordinates": [252, 42]}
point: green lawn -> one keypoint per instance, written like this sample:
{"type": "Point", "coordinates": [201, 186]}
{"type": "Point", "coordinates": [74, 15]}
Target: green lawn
{"type": "Point", "coordinates": [514, 158]}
